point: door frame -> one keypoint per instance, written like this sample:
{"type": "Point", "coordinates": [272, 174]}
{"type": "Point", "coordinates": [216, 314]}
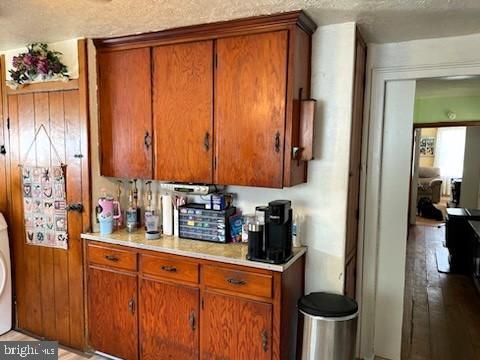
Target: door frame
{"type": "Point", "coordinates": [390, 63]}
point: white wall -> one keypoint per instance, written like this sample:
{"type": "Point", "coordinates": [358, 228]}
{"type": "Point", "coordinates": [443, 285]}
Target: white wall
{"type": "Point", "coordinates": [389, 62]}
{"type": "Point", "coordinates": [471, 169]}
{"type": "Point", "coordinates": [69, 56]}
{"type": "Point", "coordinates": [323, 199]}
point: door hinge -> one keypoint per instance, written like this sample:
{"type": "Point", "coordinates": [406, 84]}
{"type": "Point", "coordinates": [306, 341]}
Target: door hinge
{"type": "Point", "coordinates": [203, 304]}
{"type": "Point", "coordinates": [8, 123]}
{"type": "Point", "coordinates": [216, 61]}
{"type": "Point", "coordinates": [215, 162]}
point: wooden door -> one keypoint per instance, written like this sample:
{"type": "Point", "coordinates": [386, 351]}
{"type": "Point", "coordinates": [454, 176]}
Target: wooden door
{"type": "Point", "coordinates": [48, 282]}
{"type": "Point", "coordinates": [3, 143]}
{"type": "Point", "coordinates": [112, 310]}
{"type": "Point", "coordinates": [183, 112]}
{"type": "Point", "coordinates": [235, 328]}
{"type": "Point", "coordinates": [125, 124]}
{"type": "Point", "coordinates": [251, 79]}
{"type": "Point", "coordinates": [355, 170]}
{"type": "Point", "coordinates": [168, 321]}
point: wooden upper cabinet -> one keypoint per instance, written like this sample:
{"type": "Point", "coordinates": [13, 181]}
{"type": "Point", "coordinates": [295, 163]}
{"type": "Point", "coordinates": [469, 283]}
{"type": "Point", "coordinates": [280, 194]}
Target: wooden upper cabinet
{"type": "Point", "coordinates": [125, 124]}
{"type": "Point", "coordinates": [214, 103]}
{"type": "Point", "coordinates": [182, 112]}
{"type": "Point", "coordinates": [112, 309]}
{"type": "Point", "coordinates": [251, 82]}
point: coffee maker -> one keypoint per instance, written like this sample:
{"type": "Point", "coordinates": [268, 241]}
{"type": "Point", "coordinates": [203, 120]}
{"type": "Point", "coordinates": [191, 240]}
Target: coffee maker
{"type": "Point", "coordinates": [275, 246]}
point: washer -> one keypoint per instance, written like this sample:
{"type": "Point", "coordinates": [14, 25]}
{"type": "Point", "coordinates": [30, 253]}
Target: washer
{"type": "Point", "coordinates": [5, 279]}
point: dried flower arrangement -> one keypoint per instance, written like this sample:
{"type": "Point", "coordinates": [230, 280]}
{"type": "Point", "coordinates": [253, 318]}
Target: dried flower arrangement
{"type": "Point", "coordinates": [37, 64]}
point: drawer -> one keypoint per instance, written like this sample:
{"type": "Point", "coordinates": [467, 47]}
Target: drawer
{"type": "Point", "coordinates": [120, 259]}
{"type": "Point", "coordinates": [170, 268]}
{"type": "Point", "coordinates": [243, 282]}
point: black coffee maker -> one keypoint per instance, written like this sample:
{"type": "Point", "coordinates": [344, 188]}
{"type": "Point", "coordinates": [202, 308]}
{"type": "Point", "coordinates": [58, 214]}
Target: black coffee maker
{"type": "Point", "coordinates": [275, 246]}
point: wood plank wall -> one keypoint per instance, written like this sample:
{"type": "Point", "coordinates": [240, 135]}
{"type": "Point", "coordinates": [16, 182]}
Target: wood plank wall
{"type": "Point", "coordinates": [49, 283]}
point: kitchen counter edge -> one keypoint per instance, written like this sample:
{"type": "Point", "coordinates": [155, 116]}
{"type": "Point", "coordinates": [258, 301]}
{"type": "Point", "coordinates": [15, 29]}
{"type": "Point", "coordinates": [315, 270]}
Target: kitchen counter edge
{"type": "Point", "coordinates": [298, 252]}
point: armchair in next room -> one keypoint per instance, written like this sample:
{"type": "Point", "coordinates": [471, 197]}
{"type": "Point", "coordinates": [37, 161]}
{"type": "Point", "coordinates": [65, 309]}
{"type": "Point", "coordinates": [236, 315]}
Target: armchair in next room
{"type": "Point", "coordinates": [429, 183]}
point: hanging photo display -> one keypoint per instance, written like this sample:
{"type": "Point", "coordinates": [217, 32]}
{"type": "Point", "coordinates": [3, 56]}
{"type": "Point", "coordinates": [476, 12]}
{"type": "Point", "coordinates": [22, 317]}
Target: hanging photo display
{"type": "Point", "coordinates": [45, 206]}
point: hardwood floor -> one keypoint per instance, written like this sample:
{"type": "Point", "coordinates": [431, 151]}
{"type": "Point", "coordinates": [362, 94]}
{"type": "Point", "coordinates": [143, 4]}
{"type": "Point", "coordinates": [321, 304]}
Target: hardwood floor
{"type": "Point", "coordinates": [441, 317]}
{"type": "Point", "coordinates": [63, 354]}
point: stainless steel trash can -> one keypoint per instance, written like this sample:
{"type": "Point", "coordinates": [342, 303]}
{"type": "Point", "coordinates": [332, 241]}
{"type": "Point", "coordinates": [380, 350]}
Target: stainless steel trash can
{"type": "Point", "coordinates": [329, 326]}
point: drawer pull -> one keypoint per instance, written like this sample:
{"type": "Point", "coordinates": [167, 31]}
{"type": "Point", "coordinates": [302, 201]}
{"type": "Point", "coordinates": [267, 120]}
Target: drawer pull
{"type": "Point", "coordinates": [168, 268]}
{"type": "Point", "coordinates": [112, 258]}
{"type": "Point", "coordinates": [237, 282]}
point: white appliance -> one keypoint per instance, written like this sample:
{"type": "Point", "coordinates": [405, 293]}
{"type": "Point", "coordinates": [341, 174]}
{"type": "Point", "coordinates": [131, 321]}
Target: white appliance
{"type": "Point", "coordinates": [5, 280]}
{"type": "Point", "coordinates": [191, 189]}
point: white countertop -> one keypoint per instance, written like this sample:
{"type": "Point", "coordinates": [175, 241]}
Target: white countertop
{"type": "Point", "coordinates": [226, 253]}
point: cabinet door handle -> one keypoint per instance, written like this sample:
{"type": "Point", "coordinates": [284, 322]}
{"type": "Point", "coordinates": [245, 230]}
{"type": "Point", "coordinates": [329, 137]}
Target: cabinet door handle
{"type": "Point", "coordinates": [277, 142]}
{"type": "Point", "coordinates": [265, 340]}
{"type": "Point", "coordinates": [147, 139]}
{"type": "Point", "coordinates": [192, 320]}
{"type": "Point", "coordinates": [131, 306]}
{"type": "Point", "coordinates": [168, 268]}
{"type": "Point", "coordinates": [237, 282]}
{"type": "Point", "coordinates": [206, 141]}
{"type": "Point", "coordinates": [112, 258]}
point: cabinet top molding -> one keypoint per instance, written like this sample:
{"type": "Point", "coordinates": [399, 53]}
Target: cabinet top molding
{"type": "Point", "coordinates": [211, 30]}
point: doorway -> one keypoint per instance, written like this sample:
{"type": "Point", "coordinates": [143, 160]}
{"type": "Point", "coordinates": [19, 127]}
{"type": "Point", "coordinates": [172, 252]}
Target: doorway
{"type": "Point", "coordinates": [441, 300]}
{"type": "Point", "coordinates": [392, 178]}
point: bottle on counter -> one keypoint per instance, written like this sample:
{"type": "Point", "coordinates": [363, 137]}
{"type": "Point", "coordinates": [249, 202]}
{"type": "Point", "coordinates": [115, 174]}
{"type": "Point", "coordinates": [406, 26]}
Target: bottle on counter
{"type": "Point", "coordinates": [131, 213]}
{"type": "Point", "coordinates": [151, 218]}
{"type": "Point", "coordinates": [135, 198]}
{"type": "Point", "coordinates": [297, 225]}
{"type": "Point", "coordinates": [117, 211]}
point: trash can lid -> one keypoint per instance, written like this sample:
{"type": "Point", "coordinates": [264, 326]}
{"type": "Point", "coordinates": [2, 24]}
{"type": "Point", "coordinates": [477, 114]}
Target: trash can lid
{"type": "Point", "coordinates": [327, 305]}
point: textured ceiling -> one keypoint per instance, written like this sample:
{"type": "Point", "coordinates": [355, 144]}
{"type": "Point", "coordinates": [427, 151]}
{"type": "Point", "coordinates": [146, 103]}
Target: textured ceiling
{"type": "Point", "coordinates": [23, 21]}
{"type": "Point", "coordinates": [431, 88]}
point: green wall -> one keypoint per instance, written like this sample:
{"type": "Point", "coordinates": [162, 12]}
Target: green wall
{"type": "Point", "coordinates": [432, 110]}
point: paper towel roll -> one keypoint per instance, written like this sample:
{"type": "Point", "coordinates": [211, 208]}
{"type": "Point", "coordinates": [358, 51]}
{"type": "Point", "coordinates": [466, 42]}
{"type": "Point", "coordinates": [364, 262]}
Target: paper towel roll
{"type": "Point", "coordinates": [167, 208]}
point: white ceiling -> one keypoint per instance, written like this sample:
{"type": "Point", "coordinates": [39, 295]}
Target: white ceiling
{"type": "Point", "coordinates": [24, 21]}
{"type": "Point", "coordinates": [431, 88]}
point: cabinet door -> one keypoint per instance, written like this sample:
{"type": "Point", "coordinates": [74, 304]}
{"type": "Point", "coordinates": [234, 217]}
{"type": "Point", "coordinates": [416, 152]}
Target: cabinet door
{"type": "Point", "coordinates": [235, 328]}
{"type": "Point", "coordinates": [183, 112]}
{"type": "Point", "coordinates": [125, 126]}
{"type": "Point", "coordinates": [250, 109]}
{"type": "Point", "coordinates": [112, 313]}
{"type": "Point", "coordinates": [168, 321]}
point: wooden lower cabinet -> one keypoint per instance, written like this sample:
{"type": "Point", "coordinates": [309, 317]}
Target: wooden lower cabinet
{"type": "Point", "coordinates": [113, 312]}
{"type": "Point", "coordinates": [189, 308]}
{"type": "Point", "coordinates": [235, 328]}
{"type": "Point", "coordinates": [168, 321]}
